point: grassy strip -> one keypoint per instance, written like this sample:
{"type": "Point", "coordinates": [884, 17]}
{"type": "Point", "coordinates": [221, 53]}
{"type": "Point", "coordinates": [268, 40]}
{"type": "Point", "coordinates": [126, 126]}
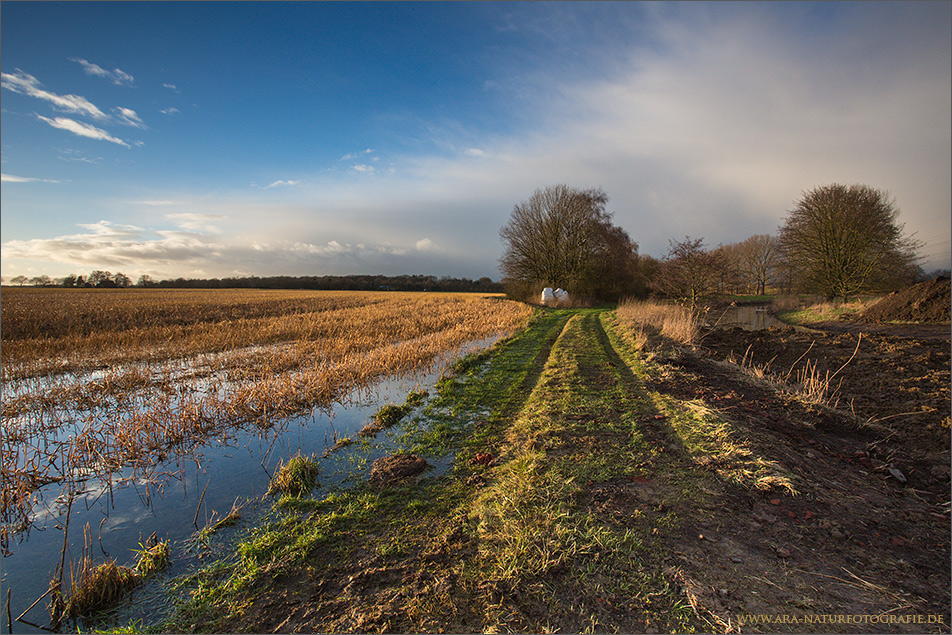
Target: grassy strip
{"type": "Point", "coordinates": [571, 481]}
{"type": "Point", "coordinates": [306, 532]}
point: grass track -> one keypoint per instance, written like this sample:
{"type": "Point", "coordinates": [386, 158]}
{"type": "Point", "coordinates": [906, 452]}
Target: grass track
{"type": "Point", "coordinates": [564, 530]}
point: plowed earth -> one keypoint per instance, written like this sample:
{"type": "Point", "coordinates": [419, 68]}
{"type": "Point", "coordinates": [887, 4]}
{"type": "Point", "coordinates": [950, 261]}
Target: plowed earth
{"type": "Point", "coordinates": [861, 527]}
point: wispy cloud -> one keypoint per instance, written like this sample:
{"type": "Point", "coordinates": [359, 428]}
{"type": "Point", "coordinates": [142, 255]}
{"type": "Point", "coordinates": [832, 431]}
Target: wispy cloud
{"type": "Point", "coordinates": [82, 129]}
{"type": "Point", "coordinates": [129, 117]}
{"type": "Point", "coordinates": [354, 155]}
{"type": "Point", "coordinates": [170, 111]}
{"type": "Point", "coordinates": [26, 84]}
{"type": "Point", "coordinates": [69, 154]}
{"type": "Point", "coordinates": [10, 178]}
{"type": "Point", "coordinates": [172, 87]}
{"type": "Point", "coordinates": [197, 222]}
{"type": "Point", "coordinates": [282, 184]}
{"type": "Point", "coordinates": [116, 76]}
{"type": "Point", "coordinates": [154, 202]}
{"type": "Point", "coordinates": [363, 168]}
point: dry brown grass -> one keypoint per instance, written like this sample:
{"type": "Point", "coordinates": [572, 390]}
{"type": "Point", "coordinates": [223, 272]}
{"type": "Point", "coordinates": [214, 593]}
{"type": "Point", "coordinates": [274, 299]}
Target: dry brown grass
{"type": "Point", "coordinates": [95, 380]}
{"type": "Point", "coordinates": [673, 321]}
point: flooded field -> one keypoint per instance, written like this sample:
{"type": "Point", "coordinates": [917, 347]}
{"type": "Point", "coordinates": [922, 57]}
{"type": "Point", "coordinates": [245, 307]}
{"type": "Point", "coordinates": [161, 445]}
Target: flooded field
{"type": "Point", "coordinates": [190, 414]}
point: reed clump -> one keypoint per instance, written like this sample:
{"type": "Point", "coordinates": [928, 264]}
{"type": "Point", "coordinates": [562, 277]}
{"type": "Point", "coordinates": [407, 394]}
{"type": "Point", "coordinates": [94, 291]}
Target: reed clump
{"type": "Point", "coordinates": [297, 477]}
{"type": "Point", "coordinates": [152, 558]}
{"type": "Point", "coordinates": [99, 585]}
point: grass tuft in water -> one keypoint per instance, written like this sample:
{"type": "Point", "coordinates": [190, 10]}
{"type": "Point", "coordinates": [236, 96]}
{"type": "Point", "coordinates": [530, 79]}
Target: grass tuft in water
{"type": "Point", "coordinates": [100, 585]}
{"type": "Point", "coordinates": [297, 477]}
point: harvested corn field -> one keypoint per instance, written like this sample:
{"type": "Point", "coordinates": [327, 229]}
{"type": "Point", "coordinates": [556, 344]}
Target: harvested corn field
{"type": "Point", "coordinates": [98, 379]}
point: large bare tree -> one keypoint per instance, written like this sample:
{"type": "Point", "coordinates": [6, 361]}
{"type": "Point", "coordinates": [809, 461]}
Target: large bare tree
{"type": "Point", "coordinates": [562, 236]}
{"type": "Point", "coordinates": [843, 240]}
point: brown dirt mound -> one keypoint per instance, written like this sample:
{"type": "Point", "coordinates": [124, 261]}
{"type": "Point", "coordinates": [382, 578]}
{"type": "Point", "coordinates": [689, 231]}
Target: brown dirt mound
{"type": "Point", "coordinates": [390, 469]}
{"type": "Point", "coordinates": [925, 302]}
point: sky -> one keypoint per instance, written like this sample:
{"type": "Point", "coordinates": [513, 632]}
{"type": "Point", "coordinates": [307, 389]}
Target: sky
{"type": "Point", "coordinates": [199, 140]}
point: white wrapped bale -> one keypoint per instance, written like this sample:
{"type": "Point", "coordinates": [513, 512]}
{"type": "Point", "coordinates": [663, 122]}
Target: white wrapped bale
{"type": "Point", "coordinates": [561, 297]}
{"type": "Point", "coordinates": [548, 296]}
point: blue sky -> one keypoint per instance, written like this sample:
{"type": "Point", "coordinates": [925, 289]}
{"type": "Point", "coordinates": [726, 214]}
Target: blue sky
{"type": "Point", "coordinates": [221, 139]}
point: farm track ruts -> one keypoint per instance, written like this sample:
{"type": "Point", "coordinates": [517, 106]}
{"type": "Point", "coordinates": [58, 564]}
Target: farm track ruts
{"type": "Point", "coordinates": [837, 535]}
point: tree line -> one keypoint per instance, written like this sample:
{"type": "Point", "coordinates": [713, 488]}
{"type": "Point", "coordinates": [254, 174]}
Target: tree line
{"type": "Point", "coordinates": [838, 241]}
{"type": "Point", "coordinates": [106, 280]}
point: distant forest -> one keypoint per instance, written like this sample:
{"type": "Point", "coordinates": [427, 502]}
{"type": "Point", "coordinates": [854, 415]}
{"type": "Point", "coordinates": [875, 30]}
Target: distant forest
{"type": "Point", "coordinates": [107, 280]}
{"type": "Point", "coordinates": [346, 283]}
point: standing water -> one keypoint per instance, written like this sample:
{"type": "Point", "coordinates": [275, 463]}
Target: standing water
{"type": "Point", "coordinates": [751, 317]}
{"type": "Point", "coordinates": [185, 493]}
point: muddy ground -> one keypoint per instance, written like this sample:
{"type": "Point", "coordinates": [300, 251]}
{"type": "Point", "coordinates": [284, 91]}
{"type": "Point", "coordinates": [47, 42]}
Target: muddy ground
{"type": "Point", "coordinates": [873, 473]}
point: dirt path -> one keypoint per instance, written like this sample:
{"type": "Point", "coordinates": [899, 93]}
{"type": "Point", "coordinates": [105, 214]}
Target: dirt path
{"type": "Point", "coordinates": [612, 489]}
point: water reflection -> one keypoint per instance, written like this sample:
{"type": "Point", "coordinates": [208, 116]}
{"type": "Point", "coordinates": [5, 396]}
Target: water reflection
{"type": "Point", "coordinates": [185, 492]}
{"type": "Point", "coordinates": [750, 317]}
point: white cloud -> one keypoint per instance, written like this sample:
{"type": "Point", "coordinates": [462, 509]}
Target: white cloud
{"type": "Point", "coordinates": [82, 129]}
{"type": "Point", "coordinates": [170, 111]}
{"type": "Point", "coordinates": [26, 84]}
{"type": "Point", "coordinates": [354, 155]}
{"type": "Point", "coordinates": [363, 168]}
{"type": "Point", "coordinates": [9, 178]}
{"type": "Point", "coordinates": [107, 229]}
{"type": "Point", "coordinates": [129, 117]}
{"type": "Point", "coordinates": [282, 184]}
{"type": "Point", "coordinates": [116, 76]}
{"type": "Point", "coordinates": [197, 222]}
{"type": "Point", "coordinates": [154, 202]}
{"type": "Point", "coordinates": [172, 87]}
{"type": "Point", "coordinates": [424, 243]}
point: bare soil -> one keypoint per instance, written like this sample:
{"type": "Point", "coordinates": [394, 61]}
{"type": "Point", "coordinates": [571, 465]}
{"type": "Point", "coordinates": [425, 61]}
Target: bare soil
{"type": "Point", "coordinates": [869, 530]}
{"type": "Point", "coordinates": [926, 302]}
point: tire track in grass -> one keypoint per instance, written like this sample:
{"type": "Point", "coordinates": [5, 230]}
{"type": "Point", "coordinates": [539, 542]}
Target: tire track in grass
{"type": "Point", "coordinates": [553, 551]}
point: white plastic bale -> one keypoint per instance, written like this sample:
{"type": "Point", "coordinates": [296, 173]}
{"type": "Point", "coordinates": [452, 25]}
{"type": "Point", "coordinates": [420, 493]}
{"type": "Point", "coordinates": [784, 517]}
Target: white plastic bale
{"type": "Point", "coordinates": [561, 297]}
{"type": "Point", "coordinates": [548, 296]}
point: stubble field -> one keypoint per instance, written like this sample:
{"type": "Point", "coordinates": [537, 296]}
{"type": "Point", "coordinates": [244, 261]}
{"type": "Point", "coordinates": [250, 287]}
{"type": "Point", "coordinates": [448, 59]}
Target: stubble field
{"type": "Point", "coordinates": [97, 379]}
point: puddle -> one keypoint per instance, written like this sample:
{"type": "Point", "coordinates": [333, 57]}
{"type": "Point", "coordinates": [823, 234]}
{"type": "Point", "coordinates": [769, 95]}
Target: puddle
{"type": "Point", "coordinates": [125, 510]}
{"type": "Point", "coordinates": [751, 317]}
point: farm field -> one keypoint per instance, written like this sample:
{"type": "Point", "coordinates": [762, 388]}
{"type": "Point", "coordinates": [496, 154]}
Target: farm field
{"type": "Point", "coordinates": [599, 470]}
{"type": "Point", "coordinates": [609, 480]}
{"type": "Point", "coordinates": [103, 390]}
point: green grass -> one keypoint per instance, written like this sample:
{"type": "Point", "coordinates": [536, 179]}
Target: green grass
{"type": "Point", "coordinates": [564, 408]}
{"type": "Point", "coordinates": [827, 311]}
{"type": "Point", "coordinates": [295, 478]}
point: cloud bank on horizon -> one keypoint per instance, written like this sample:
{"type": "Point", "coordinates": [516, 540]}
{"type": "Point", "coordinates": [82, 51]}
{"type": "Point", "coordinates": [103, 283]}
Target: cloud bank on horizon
{"type": "Point", "coordinates": [313, 151]}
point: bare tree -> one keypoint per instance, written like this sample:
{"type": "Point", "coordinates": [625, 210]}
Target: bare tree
{"type": "Point", "coordinates": [757, 259]}
{"type": "Point", "coordinates": [19, 280]}
{"type": "Point", "coordinates": [689, 272]}
{"type": "Point", "coordinates": [121, 280]}
{"type": "Point", "coordinates": [842, 240]}
{"type": "Point", "coordinates": [562, 236]}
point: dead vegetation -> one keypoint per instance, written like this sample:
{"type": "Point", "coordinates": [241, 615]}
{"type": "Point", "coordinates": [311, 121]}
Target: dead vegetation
{"type": "Point", "coordinates": [672, 321]}
{"type": "Point", "coordinates": [97, 380]}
